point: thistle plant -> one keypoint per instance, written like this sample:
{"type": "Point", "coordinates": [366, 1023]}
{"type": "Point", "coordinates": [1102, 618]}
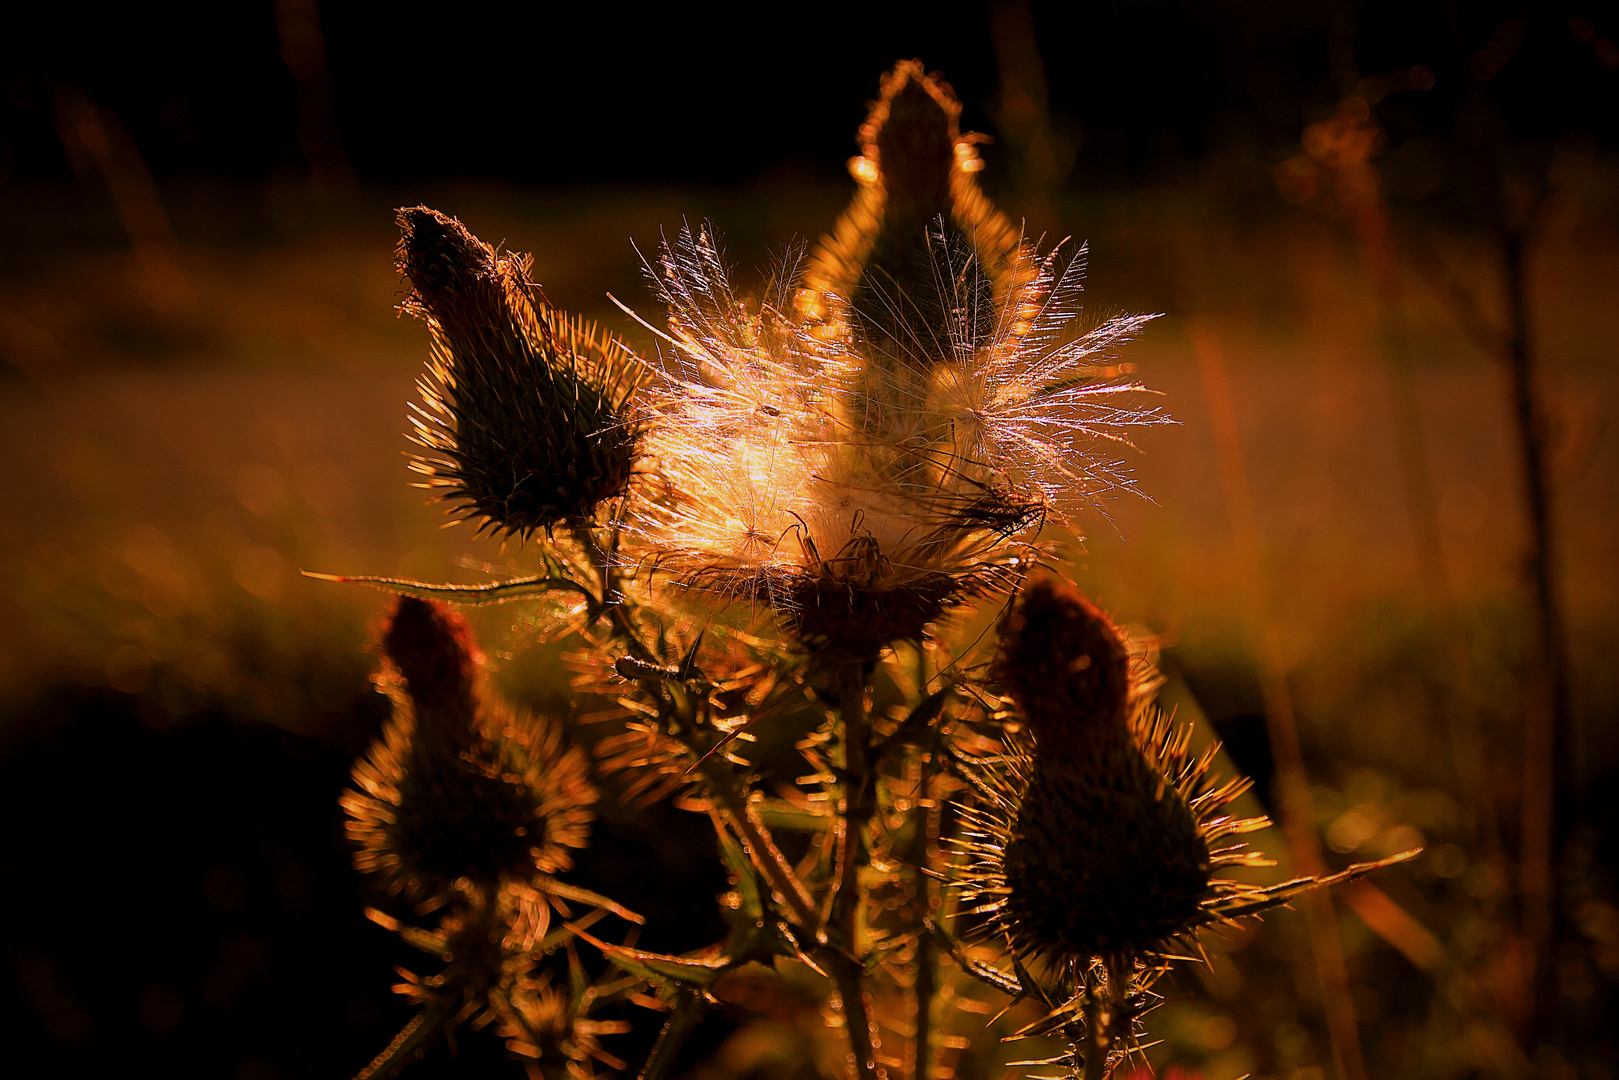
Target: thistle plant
{"type": "Point", "coordinates": [778, 517]}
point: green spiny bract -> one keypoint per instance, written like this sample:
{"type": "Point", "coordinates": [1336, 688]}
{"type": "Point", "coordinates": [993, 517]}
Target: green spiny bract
{"type": "Point", "coordinates": [1106, 856]}
{"type": "Point", "coordinates": [527, 412]}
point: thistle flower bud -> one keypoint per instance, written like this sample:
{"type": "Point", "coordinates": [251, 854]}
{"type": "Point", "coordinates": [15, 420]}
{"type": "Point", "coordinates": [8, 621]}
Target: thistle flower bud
{"type": "Point", "coordinates": [1065, 665]}
{"type": "Point", "coordinates": [459, 785]}
{"type": "Point", "coordinates": [526, 411]}
{"type": "Point", "coordinates": [918, 174]}
{"type": "Point", "coordinates": [1104, 842]}
{"type": "Point", "coordinates": [1106, 855]}
{"type": "Point", "coordinates": [921, 268]}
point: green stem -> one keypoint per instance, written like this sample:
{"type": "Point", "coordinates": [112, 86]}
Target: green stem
{"type": "Point", "coordinates": [682, 1022]}
{"type": "Point", "coordinates": [924, 842]}
{"type": "Point", "coordinates": [848, 966]}
{"type": "Point", "coordinates": [1105, 1024]}
{"type": "Point", "coordinates": [422, 1028]}
{"type": "Point", "coordinates": [720, 780]}
{"type": "Point", "coordinates": [611, 602]}
{"type": "Point", "coordinates": [1098, 1023]}
{"type": "Point", "coordinates": [927, 975]}
{"type": "Point", "coordinates": [848, 973]}
{"type": "Point", "coordinates": [927, 985]}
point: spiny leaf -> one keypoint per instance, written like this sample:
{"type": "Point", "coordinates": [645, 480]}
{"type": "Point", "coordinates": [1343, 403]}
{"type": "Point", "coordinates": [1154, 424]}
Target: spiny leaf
{"type": "Point", "coordinates": [982, 972]}
{"type": "Point", "coordinates": [920, 719]}
{"type": "Point", "coordinates": [560, 888]}
{"type": "Point", "coordinates": [1252, 902]}
{"type": "Point", "coordinates": [785, 937]}
{"type": "Point", "coordinates": [495, 592]}
{"type": "Point", "coordinates": [560, 937]}
{"type": "Point", "coordinates": [411, 1040]}
{"type": "Point", "coordinates": [741, 868]}
{"type": "Point", "coordinates": [659, 967]}
{"type": "Point", "coordinates": [780, 814]}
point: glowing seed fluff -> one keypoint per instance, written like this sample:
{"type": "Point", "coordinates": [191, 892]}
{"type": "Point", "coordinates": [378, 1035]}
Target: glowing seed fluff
{"type": "Point", "coordinates": [878, 440]}
{"type": "Point", "coordinates": [526, 412]}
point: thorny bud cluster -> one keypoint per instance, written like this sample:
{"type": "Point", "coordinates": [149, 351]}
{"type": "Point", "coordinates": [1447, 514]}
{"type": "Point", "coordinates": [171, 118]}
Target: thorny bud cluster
{"type": "Point", "coordinates": [874, 441]}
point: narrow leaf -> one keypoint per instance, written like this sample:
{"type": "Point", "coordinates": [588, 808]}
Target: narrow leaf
{"type": "Point", "coordinates": [411, 1040]}
{"type": "Point", "coordinates": [660, 967]}
{"type": "Point", "coordinates": [495, 592]}
{"type": "Point", "coordinates": [584, 896]}
{"type": "Point", "coordinates": [741, 868]}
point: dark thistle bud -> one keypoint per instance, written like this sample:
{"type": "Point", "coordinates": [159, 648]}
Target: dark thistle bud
{"type": "Point", "coordinates": [459, 785]}
{"type": "Point", "coordinates": [526, 410]}
{"type": "Point", "coordinates": [1100, 849]}
{"type": "Point", "coordinates": [1106, 855]}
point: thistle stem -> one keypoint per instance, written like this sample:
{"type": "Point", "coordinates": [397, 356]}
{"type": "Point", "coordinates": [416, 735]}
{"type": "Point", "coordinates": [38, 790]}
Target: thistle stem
{"type": "Point", "coordinates": [720, 781]}
{"type": "Point", "coordinates": [923, 856]}
{"type": "Point", "coordinates": [761, 846]}
{"type": "Point", "coordinates": [611, 602]}
{"type": "Point", "coordinates": [927, 985]}
{"type": "Point", "coordinates": [848, 967]}
{"type": "Point", "coordinates": [672, 1039]}
{"type": "Point", "coordinates": [856, 798]}
{"type": "Point", "coordinates": [847, 973]}
{"type": "Point", "coordinates": [1104, 999]}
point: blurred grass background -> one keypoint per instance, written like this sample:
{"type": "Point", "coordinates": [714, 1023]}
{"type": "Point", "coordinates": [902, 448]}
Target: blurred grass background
{"type": "Point", "coordinates": [203, 385]}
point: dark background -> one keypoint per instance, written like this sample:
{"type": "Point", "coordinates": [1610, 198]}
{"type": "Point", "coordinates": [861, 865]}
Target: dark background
{"type": "Point", "coordinates": [565, 94]}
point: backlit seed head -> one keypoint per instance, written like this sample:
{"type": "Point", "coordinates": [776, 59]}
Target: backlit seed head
{"type": "Point", "coordinates": [881, 438]}
{"type": "Point", "coordinates": [460, 785]}
{"type": "Point", "coordinates": [770, 493]}
{"type": "Point", "coordinates": [526, 415]}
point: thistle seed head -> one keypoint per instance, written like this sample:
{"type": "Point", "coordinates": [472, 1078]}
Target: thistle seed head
{"type": "Point", "coordinates": [460, 785]}
{"type": "Point", "coordinates": [880, 440]}
{"type": "Point", "coordinates": [526, 412]}
{"type": "Point", "coordinates": [769, 494]}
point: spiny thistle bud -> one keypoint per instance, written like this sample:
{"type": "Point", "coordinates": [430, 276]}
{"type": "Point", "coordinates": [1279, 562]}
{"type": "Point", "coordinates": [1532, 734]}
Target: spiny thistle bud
{"type": "Point", "coordinates": [1106, 856]}
{"type": "Point", "coordinates": [918, 174]}
{"type": "Point", "coordinates": [545, 1027]}
{"type": "Point", "coordinates": [1101, 847]}
{"type": "Point", "coordinates": [459, 785]}
{"type": "Point", "coordinates": [526, 410]}
{"type": "Point", "coordinates": [920, 271]}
